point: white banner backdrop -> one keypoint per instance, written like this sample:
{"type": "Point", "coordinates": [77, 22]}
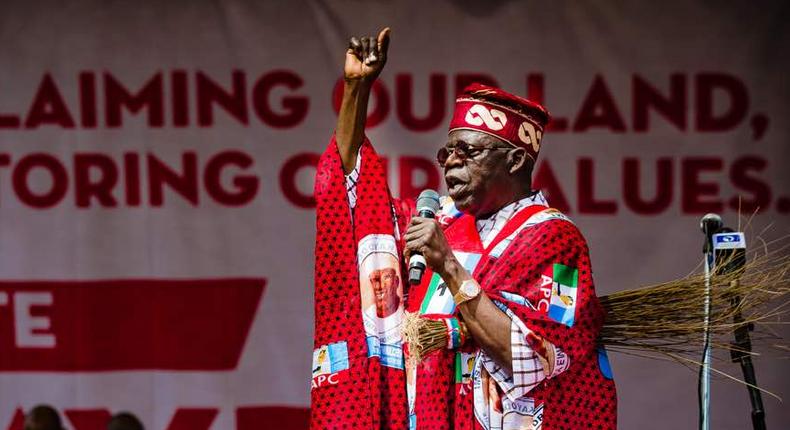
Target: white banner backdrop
{"type": "Point", "coordinates": [156, 166]}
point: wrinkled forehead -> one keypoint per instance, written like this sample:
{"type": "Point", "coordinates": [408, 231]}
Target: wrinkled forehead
{"type": "Point", "coordinates": [473, 137]}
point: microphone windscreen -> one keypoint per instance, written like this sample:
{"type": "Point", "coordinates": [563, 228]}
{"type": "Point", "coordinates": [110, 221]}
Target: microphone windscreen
{"type": "Point", "coordinates": [428, 201]}
{"type": "Point", "coordinates": [710, 223]}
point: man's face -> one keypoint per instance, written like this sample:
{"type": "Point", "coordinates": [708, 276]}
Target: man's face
{"type": "Point", "coordinates": [385, 290]}
{"type": "Point", "coordinates": [475, 184]}
{"type": "Point", "coordinates": [389, 281]}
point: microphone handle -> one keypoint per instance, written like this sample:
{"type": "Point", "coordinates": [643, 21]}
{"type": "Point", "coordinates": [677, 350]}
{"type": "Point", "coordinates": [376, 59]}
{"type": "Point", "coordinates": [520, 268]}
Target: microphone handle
{"type": "Point", "coordinates": [417, 267]}
{"type": "Point", "coordinates": [417, 263]}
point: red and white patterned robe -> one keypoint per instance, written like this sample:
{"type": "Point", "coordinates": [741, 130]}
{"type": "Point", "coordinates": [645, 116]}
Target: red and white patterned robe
{"type": "Point", "coordinates": [538, 272]}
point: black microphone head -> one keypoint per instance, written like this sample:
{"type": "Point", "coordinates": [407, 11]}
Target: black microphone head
{"type": "Point", "coordinates": [710, 223]}
{"type": "Point", "coordinates": [428, 202]}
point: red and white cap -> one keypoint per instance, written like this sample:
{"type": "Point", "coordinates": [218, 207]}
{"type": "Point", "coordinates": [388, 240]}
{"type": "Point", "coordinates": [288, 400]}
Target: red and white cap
{"type": "Point", "coordinates": [490, 110]}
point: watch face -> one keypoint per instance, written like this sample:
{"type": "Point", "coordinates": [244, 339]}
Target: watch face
{"type": "Point", "coordinates": [470, 288]}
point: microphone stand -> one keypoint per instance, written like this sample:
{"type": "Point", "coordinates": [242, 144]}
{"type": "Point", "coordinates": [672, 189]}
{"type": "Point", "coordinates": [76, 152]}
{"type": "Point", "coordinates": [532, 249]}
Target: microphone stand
{"type": "Point", "coordinates": [703, 385]}
{"type": "Point", "coordinates": [733, 261]}
{"type": "Point", "coordinates": [742, 354]}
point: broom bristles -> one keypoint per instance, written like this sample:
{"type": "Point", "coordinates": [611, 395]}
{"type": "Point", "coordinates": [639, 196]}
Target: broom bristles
{"type": "Point", "coordinates": [669, 317]}
{"type": "Point", "coordinates": [425, 335]}
{"type": "Point", "coordinates": [667, 320]}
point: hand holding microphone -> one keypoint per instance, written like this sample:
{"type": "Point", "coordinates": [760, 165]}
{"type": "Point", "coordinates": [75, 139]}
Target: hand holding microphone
{"type": "Point", "coordinates": [425, 241]}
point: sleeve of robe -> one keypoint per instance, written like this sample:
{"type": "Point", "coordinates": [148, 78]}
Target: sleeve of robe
{"type": "Point", "coordinates": [545, 339]}
{"type": "Point", "coordinates": [402, 209]}
{"type": "Point", "coordinates": [358, 389]}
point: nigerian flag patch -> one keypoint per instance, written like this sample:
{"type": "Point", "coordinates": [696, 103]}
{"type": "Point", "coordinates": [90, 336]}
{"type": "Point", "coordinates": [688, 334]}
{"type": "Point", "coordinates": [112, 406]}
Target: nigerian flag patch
{"type": "Point", "coordinates": [564, 282]}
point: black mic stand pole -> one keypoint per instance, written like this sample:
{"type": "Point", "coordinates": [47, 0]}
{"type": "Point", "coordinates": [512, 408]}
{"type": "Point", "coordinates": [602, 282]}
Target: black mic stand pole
{"type": "Point", "coordinates": [734, 261]}
{"type": "Point", "coordinates": [742, 354]}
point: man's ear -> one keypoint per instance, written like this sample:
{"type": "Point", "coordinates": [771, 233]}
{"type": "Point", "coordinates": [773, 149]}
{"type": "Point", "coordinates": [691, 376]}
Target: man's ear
{"type": "Point", "coordinates": [517, 160]}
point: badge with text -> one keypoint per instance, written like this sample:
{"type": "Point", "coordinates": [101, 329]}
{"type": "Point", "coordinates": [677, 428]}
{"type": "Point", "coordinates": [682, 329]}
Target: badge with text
{"type": "Point", "coordinates": [558, 288]}
{"type": "Point", "coordinates": [522, 414]}
{"type": "Point", "coordinates": [381, 294]}
{"type": "Point", "coordinates": [734, 240]}
{"type": "Point", "coordinates": [329, 363]}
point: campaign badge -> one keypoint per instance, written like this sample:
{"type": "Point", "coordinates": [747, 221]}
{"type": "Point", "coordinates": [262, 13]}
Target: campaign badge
{"type": "Point", "coordinates": [563, 281]}
{"type": "Point", "coordinates": [522, 413]}
{"type": "Point", "coordinates": [464, 368]}
{"type": "Point", "coordinates": [329, 363]}
{"type": "Point", "coordinates": [381, 297]}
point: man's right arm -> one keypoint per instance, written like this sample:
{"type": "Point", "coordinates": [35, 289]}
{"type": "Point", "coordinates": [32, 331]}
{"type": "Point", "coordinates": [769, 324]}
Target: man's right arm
{"type": "Point", "coordinates": [365, 58]}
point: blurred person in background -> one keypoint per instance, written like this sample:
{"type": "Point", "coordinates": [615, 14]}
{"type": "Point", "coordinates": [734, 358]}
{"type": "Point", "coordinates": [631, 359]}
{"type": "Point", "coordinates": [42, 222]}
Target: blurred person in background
{"type": "Point", "coordinates": [124, 421]}
{"type": "Point", "coordinates": [43, 417]}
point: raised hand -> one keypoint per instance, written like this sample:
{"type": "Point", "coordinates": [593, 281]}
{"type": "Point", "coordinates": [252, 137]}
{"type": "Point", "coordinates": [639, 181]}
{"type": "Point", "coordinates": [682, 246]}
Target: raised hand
{"type": "Point", "coordinates": [366, 56]}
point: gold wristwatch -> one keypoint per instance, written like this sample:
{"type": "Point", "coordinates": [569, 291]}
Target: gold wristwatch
{"type": "Point", "coordinates": [468, 290]}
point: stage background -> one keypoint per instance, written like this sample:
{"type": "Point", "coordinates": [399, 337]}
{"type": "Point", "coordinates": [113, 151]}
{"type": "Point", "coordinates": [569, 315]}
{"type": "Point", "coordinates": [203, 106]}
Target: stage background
{"type": "Point", "coordinates": [156, 221]}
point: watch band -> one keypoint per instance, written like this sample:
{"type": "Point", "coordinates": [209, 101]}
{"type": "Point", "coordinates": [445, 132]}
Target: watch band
{"type": "Point", "coordinates": [459, 298]}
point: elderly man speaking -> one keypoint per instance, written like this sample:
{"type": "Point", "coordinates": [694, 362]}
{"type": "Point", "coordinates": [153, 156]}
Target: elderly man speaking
{"type": "Point", "coordinates": [508, 276]}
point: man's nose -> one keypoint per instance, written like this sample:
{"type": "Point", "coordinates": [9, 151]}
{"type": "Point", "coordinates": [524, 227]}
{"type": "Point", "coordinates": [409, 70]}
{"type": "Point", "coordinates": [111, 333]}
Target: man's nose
{"type": "Point", "coordinates": [453, 160]}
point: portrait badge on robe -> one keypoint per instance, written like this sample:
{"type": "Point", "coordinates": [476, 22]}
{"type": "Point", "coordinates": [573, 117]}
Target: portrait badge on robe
{"type": "Point", "coordinates": [381, 296]}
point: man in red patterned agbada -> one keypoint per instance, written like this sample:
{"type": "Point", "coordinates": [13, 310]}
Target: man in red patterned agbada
{"type": "Point", "coordinates": [510, 276]}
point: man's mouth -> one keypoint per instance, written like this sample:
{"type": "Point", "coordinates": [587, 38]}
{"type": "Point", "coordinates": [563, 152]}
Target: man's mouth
{"type": "Point", "coordinates": [454, 184]}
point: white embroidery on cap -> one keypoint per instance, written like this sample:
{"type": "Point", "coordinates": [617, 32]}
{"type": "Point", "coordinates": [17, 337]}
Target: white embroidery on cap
{"type": "Point", "coordinates": [478, 115]}
{"type": "Point", "coordinates": [530, 136]}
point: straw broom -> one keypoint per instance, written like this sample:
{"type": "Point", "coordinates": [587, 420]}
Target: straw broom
{"type": "Point", "coordinates": [666, 320]}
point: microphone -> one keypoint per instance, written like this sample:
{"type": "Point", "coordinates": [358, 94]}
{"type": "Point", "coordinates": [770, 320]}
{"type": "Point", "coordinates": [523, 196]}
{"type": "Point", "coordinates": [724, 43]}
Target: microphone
{"type": "Point", "coordinates": [709, 224]}
{"type": "Point", "coordinates": [427, 205]}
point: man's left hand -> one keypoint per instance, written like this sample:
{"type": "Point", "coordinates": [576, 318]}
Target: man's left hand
{"type": "Point", "coordinates": [425, 236]}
